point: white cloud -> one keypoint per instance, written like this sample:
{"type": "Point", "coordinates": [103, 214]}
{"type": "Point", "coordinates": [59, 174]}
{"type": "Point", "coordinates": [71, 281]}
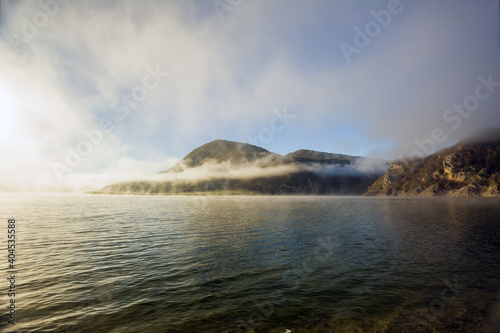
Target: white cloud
{"type": "Point", "coordinates": [226, 76]}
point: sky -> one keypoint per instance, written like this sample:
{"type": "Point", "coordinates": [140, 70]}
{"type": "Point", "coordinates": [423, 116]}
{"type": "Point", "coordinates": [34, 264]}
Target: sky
{"type": "Point", "coordinates": [93, 92]}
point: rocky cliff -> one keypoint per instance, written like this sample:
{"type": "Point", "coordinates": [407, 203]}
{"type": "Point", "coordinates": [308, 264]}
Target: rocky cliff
{"type": "Point", "coordinates": [469, 168]}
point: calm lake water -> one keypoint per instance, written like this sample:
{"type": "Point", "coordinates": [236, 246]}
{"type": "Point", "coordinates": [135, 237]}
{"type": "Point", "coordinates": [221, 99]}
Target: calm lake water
{"type": "Point", "coordinates": [235, 264]}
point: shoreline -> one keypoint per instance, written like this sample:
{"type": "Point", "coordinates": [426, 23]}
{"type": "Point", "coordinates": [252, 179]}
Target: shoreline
{"type": "Point", "coordinates": [254, 193]}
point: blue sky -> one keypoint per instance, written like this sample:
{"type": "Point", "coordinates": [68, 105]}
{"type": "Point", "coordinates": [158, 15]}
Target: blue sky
{"type": "Point", "coordinates": [64, 67]}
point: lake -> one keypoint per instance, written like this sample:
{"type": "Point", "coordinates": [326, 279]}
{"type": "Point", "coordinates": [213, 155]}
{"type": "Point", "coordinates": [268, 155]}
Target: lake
{"type": "Point", "coordinates": [235, 264]}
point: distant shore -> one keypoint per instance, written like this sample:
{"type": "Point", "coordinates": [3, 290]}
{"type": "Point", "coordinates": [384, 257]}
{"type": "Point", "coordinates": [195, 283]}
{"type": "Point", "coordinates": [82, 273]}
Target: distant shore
{"type": "Point", "coordinates": [255, 193]}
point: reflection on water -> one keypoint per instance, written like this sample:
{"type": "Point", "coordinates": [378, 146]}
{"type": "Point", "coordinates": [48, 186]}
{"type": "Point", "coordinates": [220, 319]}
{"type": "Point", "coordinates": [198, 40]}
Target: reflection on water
{"type": "Point", "coordinates": [228, 264]}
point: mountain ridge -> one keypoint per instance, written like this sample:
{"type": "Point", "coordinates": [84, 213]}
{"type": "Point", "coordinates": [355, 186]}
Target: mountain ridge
{"type": "Point", "coordinates": [237, 166]}
{"type": "Point", "coordinates": [469, 168]}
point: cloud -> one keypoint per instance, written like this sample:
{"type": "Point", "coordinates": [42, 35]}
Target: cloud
{"type": "Point", "coordinates": [225, 77]}
{"type": "Point", "coordinates": [261, 168]}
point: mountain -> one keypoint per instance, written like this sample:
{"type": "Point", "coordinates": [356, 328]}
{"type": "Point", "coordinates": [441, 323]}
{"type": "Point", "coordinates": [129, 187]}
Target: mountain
{"type": "Point", "coordinates": [219, 151]}
{"type": "Point", "coordinates": [236, 153]}
{"type": "Point", "coordinates": [469, 168]}
{"type": "Point", "coordinates": [223, 166]}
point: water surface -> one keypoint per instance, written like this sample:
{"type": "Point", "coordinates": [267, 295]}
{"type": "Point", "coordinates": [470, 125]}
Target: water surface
{"type": "Point", "coordinates": [228, 264]}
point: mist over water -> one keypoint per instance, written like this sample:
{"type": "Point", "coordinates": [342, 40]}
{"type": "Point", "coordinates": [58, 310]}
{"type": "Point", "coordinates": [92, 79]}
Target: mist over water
{"type": "Point", "coordinates": [219, 264]}
{"type": "Point", "coordinates": [213, 169]}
